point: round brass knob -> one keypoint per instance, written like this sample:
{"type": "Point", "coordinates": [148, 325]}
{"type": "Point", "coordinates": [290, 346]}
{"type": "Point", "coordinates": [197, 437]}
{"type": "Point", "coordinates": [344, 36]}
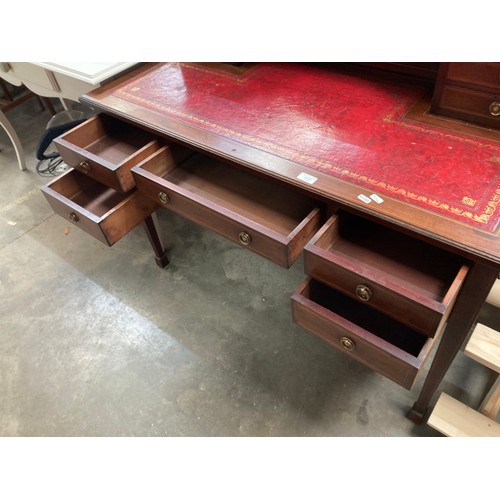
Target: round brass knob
{"type": "Point", "coordinates": [348, 344]}
{"type": "Point", "coordinates": [495, 108]}
{"type": "Point", "coordinates": [84, 167]}
{"type": "Point", "coordinates": [244, 238]}
{"type": "Point", "coordinates": [73, 217]}
{"type": "Point", "coordinates": [364, 293]}
{"type": "Point", "coordinates": [163, 197]}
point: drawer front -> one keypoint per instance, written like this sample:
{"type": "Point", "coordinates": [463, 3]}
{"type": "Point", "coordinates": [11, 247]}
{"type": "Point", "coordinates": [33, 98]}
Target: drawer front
{"type": "Point", "coordinates": [388, 290]}
{"type": "Point", "coordinates": [378, 354]}
{"type": "Point", "coordinates": [107, 216]}
{"type": "Point", "coordinates": [359, 286]}
{"type": "Point", "coordinates": [248, 234]}
{"type": "Point", "coordinates": [479, 107]}
{"type": "Point", "coordinates": [87, 164]}
{"type": "Point", "coordinates": [87, 149]}
{"type": "Point", "coordinates": [480, 74]}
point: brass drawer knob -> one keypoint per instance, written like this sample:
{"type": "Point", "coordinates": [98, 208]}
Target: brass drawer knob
{"type": "Point", "coordinates": [73, 217]}
{"type": "Point", "coordinates": [495, 108]}
{"type": "Point", "coordinates": [84, 167]}
{"type": "Point", "coordinates": [347, 343]}
{"type": "Point", "coordinates": [364, 293]}
{"type": "Point", "coordinates": [163, 197]}
{"type": "Point", "coordinates": [244, 238]}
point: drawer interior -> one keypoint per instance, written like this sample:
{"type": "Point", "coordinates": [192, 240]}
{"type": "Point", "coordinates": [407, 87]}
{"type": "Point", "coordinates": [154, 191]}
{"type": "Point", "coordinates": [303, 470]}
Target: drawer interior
{"type": "Point", "coordinates": [87, 193]}
{"type": "Point", "coordinates": [429, 269]}
{"type": "Point", "coordinates": [260, 200]}
{"type": "Point", "coordinates": [109, 139]}
{"type": "Point", "coordinates": [367, 318]}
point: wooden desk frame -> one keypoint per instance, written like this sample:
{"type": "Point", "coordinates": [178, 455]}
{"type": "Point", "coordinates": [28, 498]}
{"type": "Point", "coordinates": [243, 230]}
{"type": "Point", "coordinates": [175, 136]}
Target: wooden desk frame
{"type": "Point", "coordinates": [479, 248]}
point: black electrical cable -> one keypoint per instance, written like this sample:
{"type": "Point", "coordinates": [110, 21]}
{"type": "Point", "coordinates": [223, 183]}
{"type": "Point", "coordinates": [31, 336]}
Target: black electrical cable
{"type": "Point", "coordinates": [53, 159]}
{"type": "Point", "coordinates": [51, 166]}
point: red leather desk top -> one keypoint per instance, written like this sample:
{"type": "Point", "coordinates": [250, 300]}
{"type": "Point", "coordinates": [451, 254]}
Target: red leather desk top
{"type": "Point", "coordinates": [343, 125]}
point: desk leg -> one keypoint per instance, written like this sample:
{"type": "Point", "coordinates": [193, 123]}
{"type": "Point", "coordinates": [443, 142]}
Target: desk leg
{"type": "Point", "coordinates": [5, 123]}
{"type": "Point", "coordinates": [151, 228]}
{"type": "Point", "coordinates": [463, 317]}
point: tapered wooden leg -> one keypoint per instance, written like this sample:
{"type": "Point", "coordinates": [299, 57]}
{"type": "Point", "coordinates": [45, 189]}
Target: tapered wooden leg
{"type": "Point", "coordinates": [151, 228]}
{"type": "Point", "coordinates": [463, 317]}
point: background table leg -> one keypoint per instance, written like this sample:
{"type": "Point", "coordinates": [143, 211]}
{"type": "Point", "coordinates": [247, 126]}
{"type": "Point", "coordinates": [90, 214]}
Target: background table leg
{"type": "Point", "coordinates": [6, 125]}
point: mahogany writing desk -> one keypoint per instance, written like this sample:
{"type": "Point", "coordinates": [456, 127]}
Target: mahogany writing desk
{"type": "Point", "coordinates": [395, 211]}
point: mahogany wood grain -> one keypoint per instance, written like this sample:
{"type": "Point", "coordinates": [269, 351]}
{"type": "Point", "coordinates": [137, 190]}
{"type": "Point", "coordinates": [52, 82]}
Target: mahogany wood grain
{"type": "Point", "coordinates": [153, 234]}
{"type": "Point", "coordinates": [421, 112]}
{"type": "Point", "coordinates": [469, 104]}
{"type": "Point", "coordinates": [413, 282]}
{"type": "Point", "coordinates": [470, 243]}
{"type": "Point", "coordinates": [229, 201]}
{"type": "Point", "coordinates": [98, 210]}
{"type": "Point", "coordinates": [425, 70]}
{"type": "Point", "coordinates": [264, 202]}
{"type": "Point", "coordinates": [392, 349]}
{"type": "Point", "coordinates": [484, 74]}
{"type": "Point", "coordinates": [465, 91]}
{"type": "Point", "coordinates": [110, 150]}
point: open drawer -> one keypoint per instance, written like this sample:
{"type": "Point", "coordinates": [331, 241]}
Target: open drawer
{"type": "Point", "coordinates": [264, 217]}
{"type": "Point", "coordinates": [379, 342]}
{"type": "Point", "coordinates": [105, 149]}
{"type": "Point", "coordinates": [104, 213]}
{"type": "Point", "coordinates": [408, 279]}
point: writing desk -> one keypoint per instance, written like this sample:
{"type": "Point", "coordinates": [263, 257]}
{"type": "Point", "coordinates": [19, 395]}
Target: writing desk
{"type": "Point", "coordinates": [396, 212]}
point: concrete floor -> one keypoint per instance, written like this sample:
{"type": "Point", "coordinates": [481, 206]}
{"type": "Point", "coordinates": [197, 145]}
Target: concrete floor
{"type": "Point", "coordinates": [99, 341]}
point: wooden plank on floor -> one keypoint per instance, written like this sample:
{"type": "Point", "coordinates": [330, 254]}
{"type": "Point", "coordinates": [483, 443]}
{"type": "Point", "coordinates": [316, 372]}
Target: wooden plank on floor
{"type": "Point", "coordinates": [484, 347]}
{"type": "Point", "coordinates": [453, 418]}
{"type": "Point", "coordinates": [491, 403]}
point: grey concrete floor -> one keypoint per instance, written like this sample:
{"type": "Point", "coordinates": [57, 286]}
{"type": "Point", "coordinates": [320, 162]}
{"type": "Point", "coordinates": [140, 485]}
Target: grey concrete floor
{"type": "Point", "coordinates": [99, 341]}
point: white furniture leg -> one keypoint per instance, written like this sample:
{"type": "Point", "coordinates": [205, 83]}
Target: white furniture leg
{"type": "Point", "coordinates": [66, 104]}
{"type": "Point", "coordinates": [4, 122]}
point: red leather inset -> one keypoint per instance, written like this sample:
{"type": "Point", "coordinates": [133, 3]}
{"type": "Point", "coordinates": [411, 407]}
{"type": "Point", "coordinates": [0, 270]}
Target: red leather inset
{"type": "Point", "coordinates": [347, 126]}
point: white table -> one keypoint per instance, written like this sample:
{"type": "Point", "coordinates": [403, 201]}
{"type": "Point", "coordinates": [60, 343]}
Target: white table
{"type": "Point", "coordinates": [63, 80]}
